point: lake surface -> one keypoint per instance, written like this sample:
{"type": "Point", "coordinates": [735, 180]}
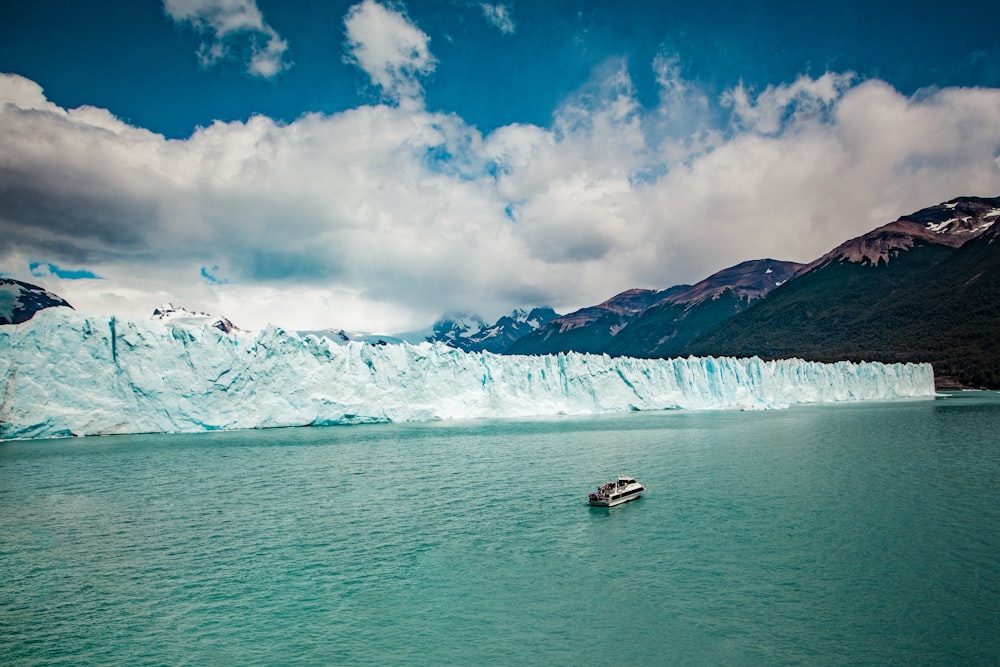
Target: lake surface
{"type": "Point", "coordinates": [849, 534]}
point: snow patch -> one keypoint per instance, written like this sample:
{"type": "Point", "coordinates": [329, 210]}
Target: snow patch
{"type": "Point", "coordinates": [941, 227]}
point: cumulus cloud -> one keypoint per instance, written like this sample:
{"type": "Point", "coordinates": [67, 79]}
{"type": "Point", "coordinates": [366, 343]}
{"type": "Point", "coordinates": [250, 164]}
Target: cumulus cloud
{"type": "Point", "coordinates": [777, 107]}
{"type": "Point", "coordinates": [233, 30]}
{"type": "Point", "coordinates": [390, 49]}
{"type": "Point", "coordinates": [841, 161]}
{"type": "Point", "coordinates": [384, 216]}
{"type": "Point", "coordinates": [685, 111]}
{"type": "Point", "coordinates": [499, 16]}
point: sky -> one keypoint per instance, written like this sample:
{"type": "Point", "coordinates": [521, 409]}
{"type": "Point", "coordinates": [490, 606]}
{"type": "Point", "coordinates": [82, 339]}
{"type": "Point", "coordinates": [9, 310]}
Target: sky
{"type": "Point", "coordinates": [372, 165]}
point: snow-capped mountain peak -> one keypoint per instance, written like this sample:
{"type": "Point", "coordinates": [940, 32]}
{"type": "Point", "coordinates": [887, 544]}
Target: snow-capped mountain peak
{"type": "Point", "coordinates": [951, 223]}
{"type": "Point", "coordinates": [454, 326]}
{"type": "Point", "coordinates": [170, 313]}
{"type": "Point", "coordinates": [470, 333]}
{"type": "Point", "coordinates": [519, 315]}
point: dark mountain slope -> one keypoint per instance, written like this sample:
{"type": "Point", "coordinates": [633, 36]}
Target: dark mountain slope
{"type": "Point", "coordinates": [590, 329]}
{"type": "Point", "coordinates": [924, 288]}
{"type": "Point", "coordinates": [953, 320]}
{"type": "Point", "coordinates": [19, 301]}
{"type": "Point", "coordinates": [652, 323]}
{"type": "Point", "coordinates": [664, 329]}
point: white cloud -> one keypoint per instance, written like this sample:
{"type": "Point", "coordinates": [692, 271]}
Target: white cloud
{"type": "Point", "coordinates": [384, 216]}
{"type": "Point", "coordinates": [390, 49]}
{"type": "Point", "coordinates": [683, 106]}
{"type": "Point", "coordinates": [777, 107]}
{"type": "Point", "coordinates": [499, 16]}
{"type": "Point", "coordinates": [813, 181]}
{"type": "Point", "coordinates": [234, 29]}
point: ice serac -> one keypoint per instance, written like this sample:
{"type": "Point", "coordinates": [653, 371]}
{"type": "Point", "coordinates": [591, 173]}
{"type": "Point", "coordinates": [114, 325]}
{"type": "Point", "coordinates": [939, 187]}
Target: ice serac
{"type": "Point", "coordinates": [66, 373]}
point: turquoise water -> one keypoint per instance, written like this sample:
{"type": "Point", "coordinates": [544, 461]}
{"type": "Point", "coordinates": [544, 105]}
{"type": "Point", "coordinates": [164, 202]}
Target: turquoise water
{"type": "Point", "coordinates": [836, 535]}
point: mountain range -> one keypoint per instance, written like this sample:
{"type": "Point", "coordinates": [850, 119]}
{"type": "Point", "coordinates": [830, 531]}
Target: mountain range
{"type": "Point", "coordinates": [925, 287]}
{"type": "Point", "coordinates": [658, 323]}
{"type": "Point", "coordinates": [465, 331]}
{"type": "Point", "coordinates": [499, 336]}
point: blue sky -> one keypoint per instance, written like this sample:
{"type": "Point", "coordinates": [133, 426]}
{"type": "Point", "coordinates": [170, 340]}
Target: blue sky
{"type": "Point", "coordinates": [133, 59]}
{"type": "Point", "coordinates": [371, 165]}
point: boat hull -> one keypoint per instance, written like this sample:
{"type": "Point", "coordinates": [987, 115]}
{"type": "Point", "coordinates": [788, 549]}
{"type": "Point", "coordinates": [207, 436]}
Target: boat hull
{"type": "Point", "coordinates": [618, 499]}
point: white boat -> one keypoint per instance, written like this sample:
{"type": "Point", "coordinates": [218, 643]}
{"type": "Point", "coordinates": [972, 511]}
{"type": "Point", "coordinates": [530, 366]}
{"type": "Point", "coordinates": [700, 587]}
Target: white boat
{"type": "Point", "coordinates": [622, 490]}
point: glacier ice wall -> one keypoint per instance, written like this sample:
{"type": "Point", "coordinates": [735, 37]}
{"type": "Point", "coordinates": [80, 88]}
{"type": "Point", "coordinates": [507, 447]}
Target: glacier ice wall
{"type": "Point", "coordinates": [67, 373]}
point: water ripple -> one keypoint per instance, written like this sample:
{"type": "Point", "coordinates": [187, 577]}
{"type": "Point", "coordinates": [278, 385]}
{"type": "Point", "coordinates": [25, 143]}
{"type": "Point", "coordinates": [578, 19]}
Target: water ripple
{"type": "Point", "coordinates": [860, 534]}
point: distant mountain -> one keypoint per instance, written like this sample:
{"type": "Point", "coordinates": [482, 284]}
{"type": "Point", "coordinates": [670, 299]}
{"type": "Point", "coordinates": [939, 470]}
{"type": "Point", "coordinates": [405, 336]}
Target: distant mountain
{"type": "Point", "coordinates": [663, 330]}
{"type": "Point", "coordinates": [658, 323]}
{"type": "Point", "coordinates": [342, 337]}
{"type": "Point", "coordinates": [455, 329]}
{"type": "Point", "coordinates": [925, 287]}
{"type": "Point", "coordinates": [472, 334]}
{"type": "Point", "coordinates": [168, 312]}
{"type": "Point", "coordinates": [507, 330]}
{"type": "Point", "coordinates": [463, 331]}
{"type": "Point", "coordinates": [591, 329]}
{"type": "Point", "coordinates": [19, 301]}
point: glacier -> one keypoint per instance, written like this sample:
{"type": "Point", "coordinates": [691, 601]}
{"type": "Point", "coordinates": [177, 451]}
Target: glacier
{"type": "Point", "coordinates": [67, 373]}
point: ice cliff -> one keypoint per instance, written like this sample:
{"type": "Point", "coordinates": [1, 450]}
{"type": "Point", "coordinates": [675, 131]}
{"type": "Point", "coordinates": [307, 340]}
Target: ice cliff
{"type": "Point", "coordinates": [67, 373]}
